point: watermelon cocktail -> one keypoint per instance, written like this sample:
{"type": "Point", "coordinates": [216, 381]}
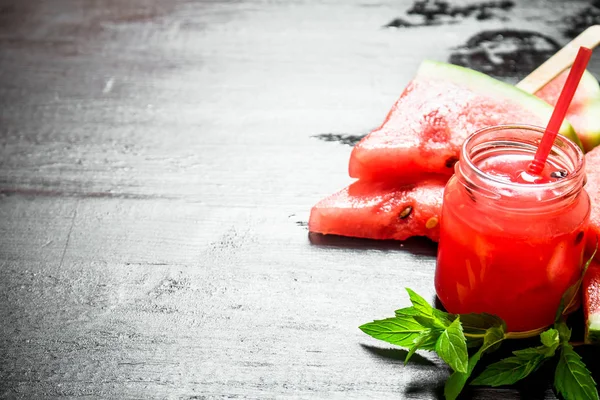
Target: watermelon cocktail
{"type": "Point", "coordinates": [512, 243]}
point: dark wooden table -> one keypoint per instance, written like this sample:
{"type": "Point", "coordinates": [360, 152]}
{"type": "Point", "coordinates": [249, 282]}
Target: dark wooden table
{"type": "Point", "coordinates": [158, 161]}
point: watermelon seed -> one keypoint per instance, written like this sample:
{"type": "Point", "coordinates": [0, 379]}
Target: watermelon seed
{"type": "Point", "coordinates": [562, 173]}
{"type": "Point", "coordinates": [406, 212]}
{"type": "Point", "coordinates": [431, 223]}
{"type": "Point", "coordinates": [579, 238]}
{"type": "Point", "coordinates": [451, 161]}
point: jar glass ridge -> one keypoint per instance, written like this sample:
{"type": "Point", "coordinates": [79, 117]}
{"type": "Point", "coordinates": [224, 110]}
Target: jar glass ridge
{"type": "Point", "coordinates": [523, 138]}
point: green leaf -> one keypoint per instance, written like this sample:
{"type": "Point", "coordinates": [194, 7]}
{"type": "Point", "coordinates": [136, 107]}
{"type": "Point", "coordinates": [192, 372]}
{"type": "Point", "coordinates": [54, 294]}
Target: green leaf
{"type": "Point", "coordinates": [561, 307]}
{"type": "Point", "coordinates": [524, 362]}
{"type": "Point", "coordinates": [443, 319]}
{"type": "Point", "coordinates": [493, 336]}
{"type": "Point", "coordinates": [476, 325]}
{"type": "Point", "coordinates": [572, 379]}
{"type": "Point", "coordinates": [425, 340]}
{"type": "Point", "coordinates": [431, 340]}
{"type": "Point", "coordinates": [568, 302]}
{"type": "Point", "coordinates": [401, 331]}
{"type": "Point", "coordinates": [407, 312]}
{"type": "Point", "coordinates": [427, 315]}
{"type": "Point", "coordinates": [451, 346]}
{"type": "Point", "coordinates": [550, 338]}
{"type": "Point", "coordinates": [426, 321]}
{"type": "Point", "coordinates": [509, 370]}
{"type": "Point", "coordinates": [474, 342]}
{"type": "Point", "coordinates": [531, 352]}
{"type": "Point", "coordinates": [564, 333]}
{"type": "Point", "coordinates": [457, 380]}
{"type": "Point", "coordinates": [479, 323]}
{"type": "Point", "coordinates": [419, 303]}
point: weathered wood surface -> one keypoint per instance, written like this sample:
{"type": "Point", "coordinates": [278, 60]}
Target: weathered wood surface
{"type": "Point", "coordinates": [157, 166]}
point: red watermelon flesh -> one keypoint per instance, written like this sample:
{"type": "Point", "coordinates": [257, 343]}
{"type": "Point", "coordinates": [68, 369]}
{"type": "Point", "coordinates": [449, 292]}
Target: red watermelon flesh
{"type": "Point", "coordinates": [584, 111]}
{"type": "Point", "coordinates": [441, 106]}
{"type": "Point", "coordinates": [592, 187]}
{"type": "Point", "coordinates": [381, 210]}
{"type": "Point", "coordinates": [591, 303]}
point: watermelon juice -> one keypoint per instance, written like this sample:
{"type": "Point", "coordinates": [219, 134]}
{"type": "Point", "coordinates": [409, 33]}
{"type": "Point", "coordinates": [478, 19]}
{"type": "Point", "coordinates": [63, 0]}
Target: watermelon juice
{"type": "Point", "coordinates": [510, 243]}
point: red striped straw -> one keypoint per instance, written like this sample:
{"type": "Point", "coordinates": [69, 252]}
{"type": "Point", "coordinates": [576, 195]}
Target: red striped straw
{"type": "Point", "coordinates": [560, 110]}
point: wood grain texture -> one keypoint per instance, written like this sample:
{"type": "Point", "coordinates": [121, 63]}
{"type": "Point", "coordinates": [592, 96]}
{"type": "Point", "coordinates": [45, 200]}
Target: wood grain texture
{"type": "Point", "coordinates": [157, 165]}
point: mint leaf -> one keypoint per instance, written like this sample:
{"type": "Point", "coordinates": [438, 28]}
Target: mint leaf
{"type": "Point", "coordinates": [568, 301]}
{"type": "Point", "coordinates": [508, 371]}
{"type": "Point", "coordinates": [550, 341]}
{"type": "Point", "coordinates": [572, 379]}
{"type": "Point", "coordinates": [431, 340]}
{"type": "Point", "coordinates": [544, 351]}
{"type": "Point", "coordinates": [475, 326]}
{"type": "Point", "coordinates": [419, 303]}
{"type": "Point", "coordinates": [401, 331]}
{"type": "Point", "coordinates": [479, 323]}
{"type": "Point", "coordinates": [428, 316]}
{"type": "Point", "coordinates": [407, 311]}
{"type": "Point", "coordinates": [564, 332]}
{"type": "Point", "coordinates": [443, 318]}
{"type": "Point", "coordinates": [561, 307]}
{"type": "Point", "coordinates": [457, 380]}
{"type": "Point", "coordinates": [524, 362]}
{"type": "Point", "coordinates": [426, 339]}
{"type": "Point", "coordinates": [531, 352]}
{"type": "Point", "coordinates": [550, 338]}
{"type": "Point", "coordinates": [474, 342]}
{"type": "Point", "coordinates": [451, 346]}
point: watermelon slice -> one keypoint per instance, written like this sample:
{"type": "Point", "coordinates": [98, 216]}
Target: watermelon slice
{"type": "Point", "coordinates": [591, 303]}
{"type": "Point", "coordinates": [584, 111]}
{"type": "Point", "coordinates": [592, 186]}
{"type": "Point", "coordinates": [439, 108]}
{"type": "Point", "coordinates": [381, 210]}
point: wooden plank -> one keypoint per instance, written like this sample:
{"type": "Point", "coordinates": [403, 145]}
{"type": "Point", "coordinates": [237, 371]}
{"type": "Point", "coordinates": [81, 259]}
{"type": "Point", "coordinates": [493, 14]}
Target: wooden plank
{"type": "Point", "coordinates": [157, 166]}
{"type": "Point", "coordinates": [196, 308]}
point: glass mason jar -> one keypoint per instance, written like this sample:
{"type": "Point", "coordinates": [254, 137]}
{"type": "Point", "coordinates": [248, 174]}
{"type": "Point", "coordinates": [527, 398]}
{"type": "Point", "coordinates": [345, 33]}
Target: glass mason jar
{"type": "Point", "coordinates": [511, 247]}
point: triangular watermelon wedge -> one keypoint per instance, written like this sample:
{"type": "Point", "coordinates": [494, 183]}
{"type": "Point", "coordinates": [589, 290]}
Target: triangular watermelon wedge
{"type": "Point", "coordinates": [381, 210]}
{"type": "Point", "coordinates": [438, 110]}
{"type": "Point", "coordinates": [584, 111]}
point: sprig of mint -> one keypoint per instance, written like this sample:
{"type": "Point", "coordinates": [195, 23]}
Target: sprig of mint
{"type": "Point", "coordinates": [423, 327]}
{"type": "Point", "coordinates": [512, 369]}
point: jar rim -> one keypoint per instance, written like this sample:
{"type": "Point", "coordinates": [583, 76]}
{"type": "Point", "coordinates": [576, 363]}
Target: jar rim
{"type": "Point", "coordinates": [579, 163]}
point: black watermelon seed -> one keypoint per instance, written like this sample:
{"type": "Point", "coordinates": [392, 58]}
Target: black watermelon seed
{"type": "Point", "coordinates": [559, 174]}
{"type": "Point", "coordinates": [406, 212]}
{"type": "Point", "coordinates": [579, 238]}
{"type": "Point", "coordinates": [451, 161]}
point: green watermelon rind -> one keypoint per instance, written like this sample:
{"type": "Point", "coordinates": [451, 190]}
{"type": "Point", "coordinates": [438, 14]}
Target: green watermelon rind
{"type": "Point", "coordinates": [593, 328]}
{"type": "Point", "coordinates": [481, 83]}
{"type": "Point", "coordinates": [590, 110]}
{"type": "Point", "coordinates": [590, 137]}
{"type": "Point", "coordinates": [592, 87]}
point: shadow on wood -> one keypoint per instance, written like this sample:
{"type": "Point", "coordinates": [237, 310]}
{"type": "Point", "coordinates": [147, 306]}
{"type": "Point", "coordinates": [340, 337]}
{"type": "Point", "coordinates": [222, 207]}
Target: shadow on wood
{"type": "Point", "coordinates": [417, 245]}
{"type": "Point", "coordinates": [430, 388]}
{"type": "Point", "coordinates": [397, 355]}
